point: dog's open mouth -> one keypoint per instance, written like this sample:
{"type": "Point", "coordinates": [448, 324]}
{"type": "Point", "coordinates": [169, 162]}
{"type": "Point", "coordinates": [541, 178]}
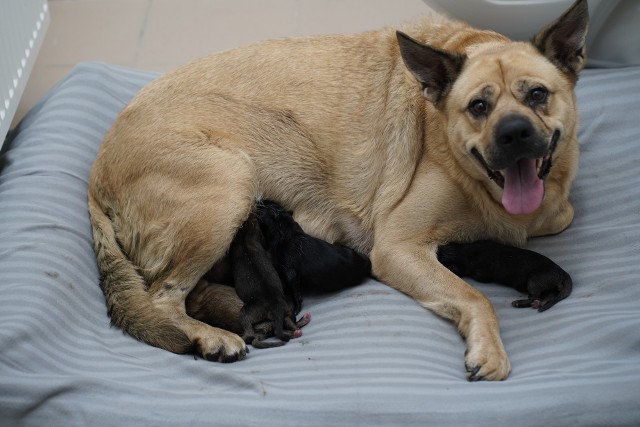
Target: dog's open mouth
{"type": "Point", "coordinates": [523, 181]}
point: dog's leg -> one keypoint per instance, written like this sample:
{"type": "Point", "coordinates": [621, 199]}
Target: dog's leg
{"type": "Point", "coordinates": [413, 268]}
{"type": "Point", "coordinates": [202, 206]}
{"type": "Point", "coordinates": [555, 223]}
{"type": "Point", "coordinates": [524, 270]}
{"type": "Point", "coordinates": [212, 343]}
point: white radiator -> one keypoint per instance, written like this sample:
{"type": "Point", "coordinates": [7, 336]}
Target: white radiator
{"type": "Point", "coordinates": [23, 24]}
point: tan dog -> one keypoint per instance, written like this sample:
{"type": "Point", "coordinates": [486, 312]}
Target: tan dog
{"type": "Point", "coordinates": [375, 140]}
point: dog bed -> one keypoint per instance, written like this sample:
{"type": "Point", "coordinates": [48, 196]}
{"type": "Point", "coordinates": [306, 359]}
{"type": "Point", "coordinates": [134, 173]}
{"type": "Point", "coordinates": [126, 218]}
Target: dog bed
{"type": "Point", "coordinates": [371, 356]}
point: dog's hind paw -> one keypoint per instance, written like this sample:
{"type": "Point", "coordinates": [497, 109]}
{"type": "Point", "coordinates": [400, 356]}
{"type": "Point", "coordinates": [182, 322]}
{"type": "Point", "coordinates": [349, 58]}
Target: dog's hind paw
{"type": "Point", "coordinates": [222, 347]}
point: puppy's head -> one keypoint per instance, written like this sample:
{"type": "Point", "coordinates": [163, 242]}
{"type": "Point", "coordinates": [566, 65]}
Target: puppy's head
{"type": "Point", "coordinates": [275, 222]}
{"type": "Point", "coordinates": [510, 108]}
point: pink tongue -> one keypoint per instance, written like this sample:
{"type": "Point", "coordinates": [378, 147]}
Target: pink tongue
{"type": "Point", "coordinates": [523, 190]}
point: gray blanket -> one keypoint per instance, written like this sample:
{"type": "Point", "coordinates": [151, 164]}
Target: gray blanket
{"type": "Point", "coordinates": [371, 356]}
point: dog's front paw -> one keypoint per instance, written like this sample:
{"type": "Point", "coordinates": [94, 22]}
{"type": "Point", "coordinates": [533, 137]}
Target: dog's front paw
{"type": "Point", "coordinates": [221, 346]}
{"type": "Point", "coordinates": [487, 362]}
{"type": "Point", "coordinates": [546, 288]}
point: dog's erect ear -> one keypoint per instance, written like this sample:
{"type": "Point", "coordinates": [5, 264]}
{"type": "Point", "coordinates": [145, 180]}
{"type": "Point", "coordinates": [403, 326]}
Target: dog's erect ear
{"type": "Point", "coordinates": [435, 69]}
{"type": "Point", "coordinates": [563, 41]}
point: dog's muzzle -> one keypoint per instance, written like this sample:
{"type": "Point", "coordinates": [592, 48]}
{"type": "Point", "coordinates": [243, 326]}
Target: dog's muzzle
{"type": "Point", "coordinates": [522, 181]}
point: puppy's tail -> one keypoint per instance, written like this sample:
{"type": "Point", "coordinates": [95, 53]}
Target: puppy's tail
{"type": "Point", "coordinates": [128, 302]}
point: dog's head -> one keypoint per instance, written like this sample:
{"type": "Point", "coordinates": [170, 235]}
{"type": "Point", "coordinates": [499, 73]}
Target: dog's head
{"type": "Point", "coordinates": [509, 106]}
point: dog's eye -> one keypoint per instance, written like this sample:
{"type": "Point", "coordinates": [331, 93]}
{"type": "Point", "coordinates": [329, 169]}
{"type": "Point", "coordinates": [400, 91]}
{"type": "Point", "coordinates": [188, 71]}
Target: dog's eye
{"type": "Point", "coordinates": [537, 96]}
{"type": "Point", "coordinates": [478, 107]}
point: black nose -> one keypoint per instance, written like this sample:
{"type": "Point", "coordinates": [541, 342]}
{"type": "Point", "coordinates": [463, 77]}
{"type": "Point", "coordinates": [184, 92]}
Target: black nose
{"type": "Point", "coordinates": [514, 130]}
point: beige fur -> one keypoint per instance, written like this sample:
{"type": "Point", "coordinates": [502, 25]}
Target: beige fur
{"type": "Point", "coordinates": [336, 129]}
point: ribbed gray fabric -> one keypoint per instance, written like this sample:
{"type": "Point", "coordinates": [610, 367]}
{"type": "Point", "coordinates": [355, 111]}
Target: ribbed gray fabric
{"type": "Point", "coordinates": [371, 356]}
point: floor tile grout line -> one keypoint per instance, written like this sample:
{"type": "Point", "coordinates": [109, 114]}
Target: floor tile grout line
{"type": "Point", "coordinates": [143, 29]}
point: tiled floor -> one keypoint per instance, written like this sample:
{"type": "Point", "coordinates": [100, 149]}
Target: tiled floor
{"type": "Point", "coordinates": [162, 34]}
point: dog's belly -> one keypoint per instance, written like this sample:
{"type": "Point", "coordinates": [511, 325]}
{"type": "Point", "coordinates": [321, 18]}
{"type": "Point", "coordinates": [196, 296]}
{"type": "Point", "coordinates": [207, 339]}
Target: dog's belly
{"type": "Point", "coordinates": [339, 227]}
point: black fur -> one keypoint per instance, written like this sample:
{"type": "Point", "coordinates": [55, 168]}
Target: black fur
{"type": "Point", "coordinates": [306, 264]}
{"type": "Point", "coordinates": [272, 263]}
{"type": "Point", "coordinates": [258, 285]}
{"type": "Point", "coordinates": [524, 270]}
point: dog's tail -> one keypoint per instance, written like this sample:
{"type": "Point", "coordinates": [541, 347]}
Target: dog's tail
{"type": "Point", "coordinates": [128, 302]}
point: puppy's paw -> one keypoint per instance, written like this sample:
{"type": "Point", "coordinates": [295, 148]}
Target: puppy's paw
{"type": "Point", "coordinates": [259, 334]}
{"type": "Point", "coordinates": [486, 362]}
{"type": "Point", "coordinates": [221, 346]}
{"type": "Point", "coordinates": [546, 288]}
{"type": "Point", "coordinates": [303, 321]}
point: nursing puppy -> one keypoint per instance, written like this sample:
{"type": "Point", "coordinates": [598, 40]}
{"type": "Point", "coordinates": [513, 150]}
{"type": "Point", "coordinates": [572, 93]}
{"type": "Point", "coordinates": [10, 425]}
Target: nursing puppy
{"type": "Point", "coordinates": [258, 285]}
{"type": "Point", "coordinates": [220, 306]}
{"type": "Point", "coordinates": [272, 262]}
{"type": "Point", "coordinates": [306, 264]}
{"type": "Point", "coordinates": [389, 143]}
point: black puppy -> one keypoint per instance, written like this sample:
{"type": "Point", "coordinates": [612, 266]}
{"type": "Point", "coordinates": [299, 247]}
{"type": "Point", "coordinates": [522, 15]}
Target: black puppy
{"type": "Point", "coordinates": [220, 306]}
{"type": "Point", "coordinates": [306, 264]}
{"type": "Point", "coordinates": [258, 285]}
{"type": "Point", "coordinates": [271, 263]}
{"type": "Point", "coordinates": [255, 306]}
{"type": "Point", "coordinates": [524, 270]}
